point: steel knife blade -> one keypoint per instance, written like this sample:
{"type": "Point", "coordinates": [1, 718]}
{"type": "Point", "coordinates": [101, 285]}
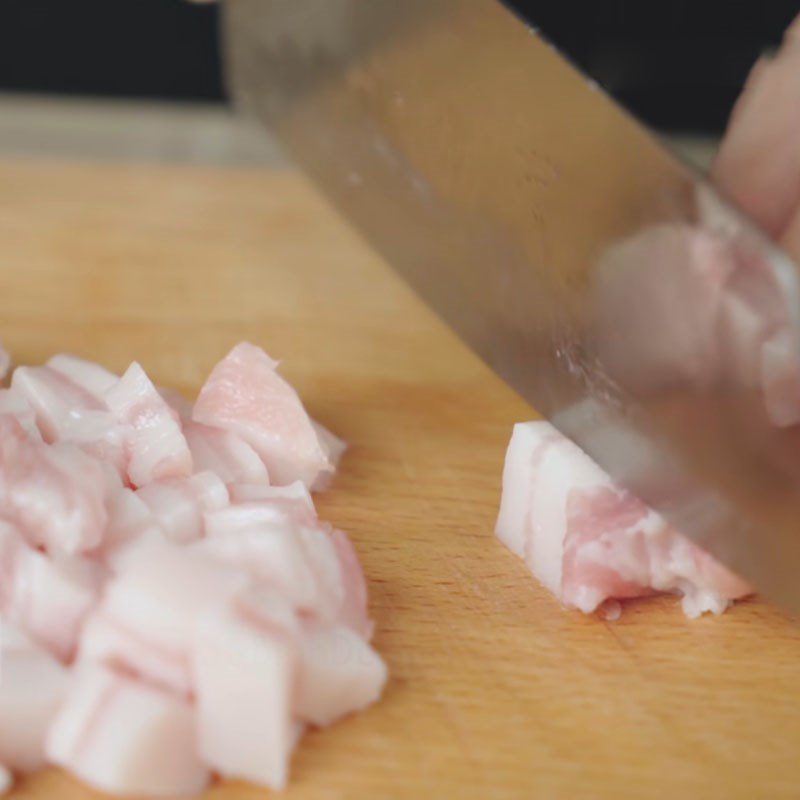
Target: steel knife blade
{"type": "Point", "coordinates": [602, 278]}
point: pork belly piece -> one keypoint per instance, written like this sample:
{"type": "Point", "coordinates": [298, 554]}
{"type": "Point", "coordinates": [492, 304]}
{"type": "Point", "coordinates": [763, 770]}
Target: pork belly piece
{"type": "Point", "coordinates": [245, 395]}
{"type": "Point", "coordinates": [588, 540]}
{"type": "Point", "coordinates": [32, 687]}
{"type": "Point", "coordinates": [54, 399]}
{"type": "Point", "coordinates": [225, 453]}
{"type": "Point", "coordinates": [178, 505]}
{"type": "Point", "coordinates": [157, 448]}
{"type": "Point", "coordinates": [314, 566]}
{"type": "Point", "coordinates": [245, 687]}
{"type": "Point", "coordinates": [47, 597]}
{"type": "Point", "coordinates": [338, 673]}
{"type": "Point", "coordinates": [91, 377]}
{"type": "Point", "coordinates": [273, 554]}
{"type": "Point", "coordinates": [111, 641]}
{"type": "Point", "coordinates": [125, 737]}
{"type": "Point", "coordinates": [65, 411]}
{"type": "Point", "coordinates": [255, 515]}
{"type": "Point", "coordinates": [131, 525]}
{"type": "Point", "coordinates": [155, 601]}
{"type": "Point", "coordinates": [100, 435]}
{"type": "Point", "coordinates": [13, 403]}
{"type": "Point", "coordinates": [330, 554]}
{"type": "Point", "coordinates": [57, 495]}
{"type": "Point", "coordinates": [353, 611]}
{"type": "Point", "coordinates": [294, 499]}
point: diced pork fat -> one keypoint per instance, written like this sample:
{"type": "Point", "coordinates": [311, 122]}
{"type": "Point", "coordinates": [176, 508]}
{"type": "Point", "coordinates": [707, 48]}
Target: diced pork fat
{"type": "Point", "coordinates": [335, 565]}
{"type": "Point", "coordinates": [14, 404]}
{"type": "Point", "coordinates": [246, 516]}
{"type": "Point", "coordinates": [354, 601]}
{"type": "Point", "coordinates": [245, 686]}
{"type": "Point", "coordinates": [127, 738]}
{"type": "Point", "coordinates": [245, 395]}
{"type": "Point", "coordinates": [66, 411]}
{"type": "Point", "coordinates": [155, 601]}
{"type": "Point", "coordinates": [100, 435]}
{"type": "Point", "coordinates": [110, 641]}
{"type": "Point", "coordinates": [313, 565]}
{"type": "Point", "coordinates": [91, 377]}
{"type": "Point", "coordinates": [157, 448]}
{"type": "Point", "coordinates": [273, 554]}
{"type": "Point", "coordinates": [338, 673]}
{"type": "Point", "coordinates": [57, 494]}
{"type": "Point", "coordinates": [294, 499]}
{"type": "Point", "coordinates": [54, 399]}
{"type": "Point", "coordinates": [587, 540]}
{"type": "Point", "coordinates": [32, 687]}
{"type": "Point", "coordinates": [129, 516]}
{"type": "Point", "coordinates": [206, 615]}
{"type": "Point", "coordinates": [47, 597]}
{"type": "Point", "coordinates": [178, 505]}
{"type": "Point", "coordinates": [225, 453]}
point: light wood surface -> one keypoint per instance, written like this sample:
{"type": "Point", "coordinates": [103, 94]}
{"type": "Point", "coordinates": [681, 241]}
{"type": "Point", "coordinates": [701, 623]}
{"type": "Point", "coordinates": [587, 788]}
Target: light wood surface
{"type": "Point", "coordinates": [112, 129]}
{"type": "Point", "coordinates": [495, 691]}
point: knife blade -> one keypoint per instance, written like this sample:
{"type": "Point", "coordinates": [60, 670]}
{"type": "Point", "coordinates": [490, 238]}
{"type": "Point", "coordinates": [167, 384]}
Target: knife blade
{"type": "Point", "coordinates": [603, 279]}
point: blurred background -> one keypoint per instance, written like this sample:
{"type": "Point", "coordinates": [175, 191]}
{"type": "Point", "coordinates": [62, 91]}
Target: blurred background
{"type": "Point", "coordinates": [150, 70]}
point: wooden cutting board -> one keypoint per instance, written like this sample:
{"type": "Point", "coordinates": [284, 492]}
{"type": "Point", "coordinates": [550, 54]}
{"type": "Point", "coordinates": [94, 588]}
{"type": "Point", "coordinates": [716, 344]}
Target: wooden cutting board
{"type": "Point", "coordinates": [495, 691]}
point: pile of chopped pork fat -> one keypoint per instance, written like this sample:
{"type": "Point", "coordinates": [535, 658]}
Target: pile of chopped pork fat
{"type": "Point", "coordinates": [172, 608]}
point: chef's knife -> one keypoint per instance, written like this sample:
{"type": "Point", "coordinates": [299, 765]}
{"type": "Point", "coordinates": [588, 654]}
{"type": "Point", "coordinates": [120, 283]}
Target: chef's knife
{"type": "Point", "coordinates": [560, 239]}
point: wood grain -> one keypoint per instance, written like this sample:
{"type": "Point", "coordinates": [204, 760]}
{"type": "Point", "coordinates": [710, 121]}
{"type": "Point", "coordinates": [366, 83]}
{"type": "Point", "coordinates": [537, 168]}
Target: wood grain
{"type": "Point", "coordinates": [495, 691]}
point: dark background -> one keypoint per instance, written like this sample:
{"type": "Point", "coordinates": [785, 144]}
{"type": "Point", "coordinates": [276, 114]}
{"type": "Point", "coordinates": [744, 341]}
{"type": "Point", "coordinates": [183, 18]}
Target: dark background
{"type": "Point", "coordinates": [678, 63]}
